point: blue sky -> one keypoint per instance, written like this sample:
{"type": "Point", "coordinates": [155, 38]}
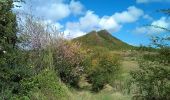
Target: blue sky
{"type": "Point", "coordinates": [124, 19]}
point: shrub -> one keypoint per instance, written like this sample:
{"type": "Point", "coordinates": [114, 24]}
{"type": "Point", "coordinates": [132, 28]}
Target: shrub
{"type": "Point", "coordinates": [10, 83]}
{"type": "Point", "coordinates": [163, 56]}
{"type": "Point", "coordinates": [69, 62]}
{"type": "Point", "coordinates": [45, 85]}
{"type": "Point", "coordinates": [153, 80]}
{"type": "Point", "coordinates": [104, 70]}
{"type": "Point", "coordinates": [152, 77]}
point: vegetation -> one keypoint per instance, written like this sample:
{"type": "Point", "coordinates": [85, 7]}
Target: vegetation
{"type": "Point", "coordinates": [105, 68]}
{"type": "Point", "coordinates": [38, 63]}
{"type": "Point", "coordinates": [152, 77]}
{"type": "Point", "coordinates": [10, 72]}
{"type": "Point", "coordinates": [26, 62]}
{"type": "Point", "coordinates": [69, 62]}
{"type": "Point", "coordinates": [45, 85]}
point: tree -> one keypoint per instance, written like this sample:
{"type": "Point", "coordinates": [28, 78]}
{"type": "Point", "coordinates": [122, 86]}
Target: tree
{"type": "Point", "coordinates": [11, 58]}
{"type": "Point", "coordinates": [8, 39]}
{"type": "Point", "coordinates": [8, 26]}
{"type": "Point", "coordinates": [38, 39]}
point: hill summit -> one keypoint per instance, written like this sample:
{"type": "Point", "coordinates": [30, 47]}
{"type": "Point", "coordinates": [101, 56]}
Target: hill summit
{"type": "Point", "coordinates": [102, 39]}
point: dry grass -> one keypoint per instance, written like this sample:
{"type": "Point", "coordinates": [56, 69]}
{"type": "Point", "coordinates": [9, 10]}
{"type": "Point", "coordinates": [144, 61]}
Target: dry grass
{"type": "Point", "coordinates": [128, 66]}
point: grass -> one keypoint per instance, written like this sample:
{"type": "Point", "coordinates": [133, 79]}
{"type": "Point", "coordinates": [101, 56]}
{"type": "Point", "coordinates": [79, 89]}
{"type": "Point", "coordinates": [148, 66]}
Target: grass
{"type": "Point", "coordinates": [128, 66]}
{"type": "Point", "coordinates": [109, 92]}
{"type": "Point", "coordinates": [105, 94]}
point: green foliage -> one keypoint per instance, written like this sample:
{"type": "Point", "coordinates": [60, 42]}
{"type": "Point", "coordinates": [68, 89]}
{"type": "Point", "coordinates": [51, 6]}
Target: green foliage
{"type": "Point", "coordinates": [104, 70]}
{"type": "Point", "coordinates": [22, 70]}
{"type": "Point", "coordinates": [41, 59]}
{"type": "Point", "coordinates": [164, 55]}
{"type": "Point", "coordinates": [8, 26]}
{"type": "Point", "coordinates": [12, 73]}
{"type": "Point", "coordinates": [153, 80]}
{"type": "Point", "coordinates": [13, 65]}
{"type": "Point", "coordinates": [146, 48]}
{"type": "Point", "coordinates": [43, 86]}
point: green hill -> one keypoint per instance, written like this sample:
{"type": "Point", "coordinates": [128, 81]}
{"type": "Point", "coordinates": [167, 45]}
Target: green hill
{"type": "Point", "coordinates": [102, 39]}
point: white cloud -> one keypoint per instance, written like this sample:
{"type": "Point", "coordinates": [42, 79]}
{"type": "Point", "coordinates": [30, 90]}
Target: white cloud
{"type": "Point", "coordinates": [56, 25]}
{"type": "Point", "coordinates": [73, 33]}
{"type": "Point", "coordinates": [54, 9]}
{"type": "Point", "coordinates": [85, 24]}
{"type": "Point", "coordinates": [91, 21]}
{"type": "Point", "coordinates": [148, 17]}
{"type": "Point", "coordinates": [76, 7]}
{"type": "Point", "coordinates": [140, 30]}
{"type": "Point", "coordinates": [131, 15]}
{"type": "Point", "coordinates": [150, 1]}
{"type": "Point", "coordinates": [109, 23]}
{"type": "Point", "coordinates": [162, 22]}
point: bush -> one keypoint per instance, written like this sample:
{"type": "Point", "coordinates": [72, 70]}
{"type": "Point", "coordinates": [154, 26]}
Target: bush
{"type": "Point", "coordinates": [152, 77]}
{"type": "Point", "coordinates": [12, 72]}
{"type": "Point", "coordinates": [69, 62]}
{"type": "Point", "coordinates": [45, 85]}
{"type": "Point", "coordinates": [162, 56]}
{"type": "Point", "coordinates": [104, 69]}
{"type": "Point", "coordinates": [153, 80]}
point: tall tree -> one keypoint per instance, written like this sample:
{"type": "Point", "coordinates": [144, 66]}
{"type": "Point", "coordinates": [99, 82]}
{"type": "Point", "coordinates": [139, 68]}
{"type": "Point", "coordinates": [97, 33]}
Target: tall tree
{"type": "Point", "coordinates": [8, 38]}
{"type": "Point", "coordinates": [8, 25]}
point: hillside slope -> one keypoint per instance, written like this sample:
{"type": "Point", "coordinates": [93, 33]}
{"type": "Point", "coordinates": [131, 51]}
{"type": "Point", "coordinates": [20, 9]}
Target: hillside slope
{"type": "Point", "coordinates": [102, 39]}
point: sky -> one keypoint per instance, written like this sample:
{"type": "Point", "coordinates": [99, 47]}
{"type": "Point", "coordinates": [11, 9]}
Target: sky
{"type": "Point", "coordinates": [124, 19]}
